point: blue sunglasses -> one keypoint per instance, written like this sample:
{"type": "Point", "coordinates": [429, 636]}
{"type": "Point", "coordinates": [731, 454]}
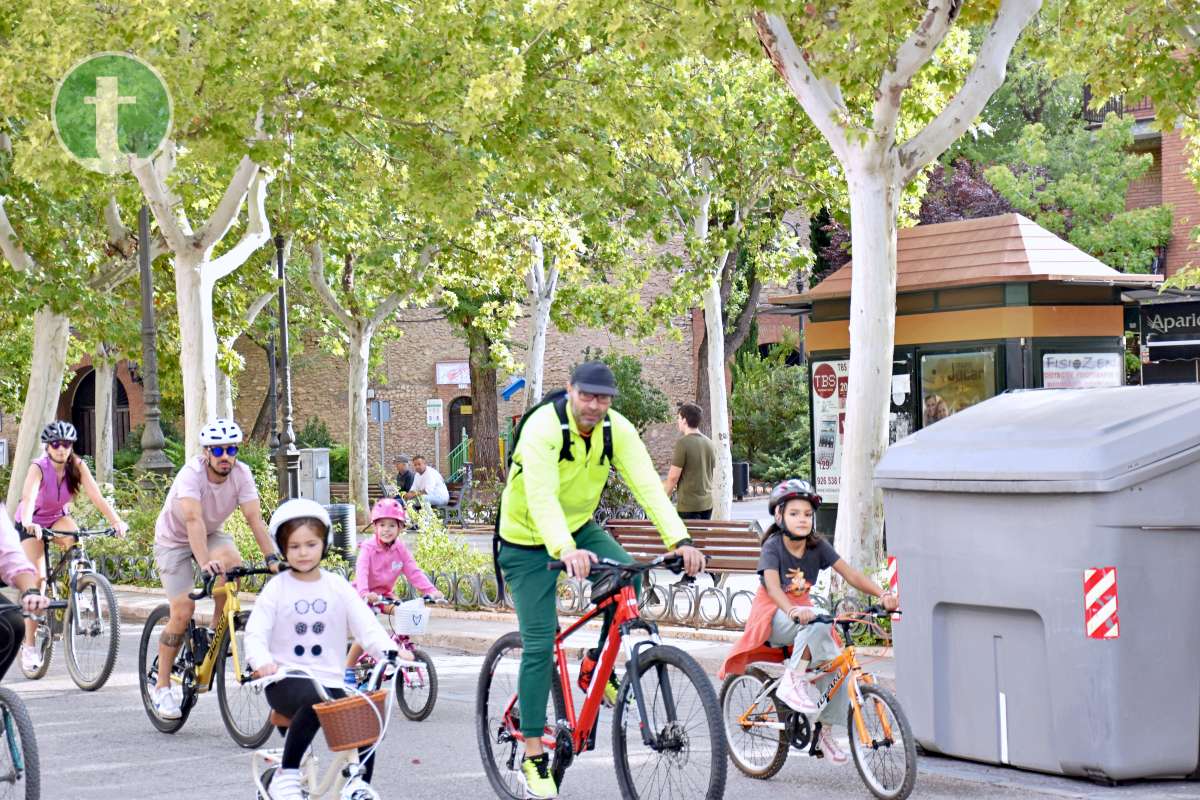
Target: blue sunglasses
{"type": "Point", "coordinates": [219, 451]}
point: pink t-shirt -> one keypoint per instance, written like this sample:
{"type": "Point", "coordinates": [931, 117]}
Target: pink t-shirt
{"type": "Point", "coordinates": [217, 500]}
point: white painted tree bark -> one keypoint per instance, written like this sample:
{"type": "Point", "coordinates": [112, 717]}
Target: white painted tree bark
{"type": "Point", "coordinates": [542, 285]}
{"type": "Point", "coordinates": [225, 392]}
{"type": "Point", "coordinates": [197, 271]}
{"type": "Point", "coordinates": [877, 169]}
{"type": "Point", "coordinates": [359, 329]}
{"type": "Point", "coordinates": [104, 368]}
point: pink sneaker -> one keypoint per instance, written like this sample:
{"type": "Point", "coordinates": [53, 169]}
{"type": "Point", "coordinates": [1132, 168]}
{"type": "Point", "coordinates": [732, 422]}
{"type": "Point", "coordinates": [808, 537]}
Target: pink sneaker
{"type": "Point", "coordinates": [830, 747]}
{"type": "Point", "coordinates": [797, 692]}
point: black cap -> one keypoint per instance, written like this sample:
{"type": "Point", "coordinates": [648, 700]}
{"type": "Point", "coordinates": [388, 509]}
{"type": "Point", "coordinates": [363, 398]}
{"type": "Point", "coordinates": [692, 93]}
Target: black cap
{"type": "Point", "coordinates": [594, 377]}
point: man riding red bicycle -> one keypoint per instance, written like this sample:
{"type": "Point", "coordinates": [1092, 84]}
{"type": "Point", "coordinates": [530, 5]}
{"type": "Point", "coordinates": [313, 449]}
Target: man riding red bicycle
{"type": "Point", "coordinates": [560, 465]}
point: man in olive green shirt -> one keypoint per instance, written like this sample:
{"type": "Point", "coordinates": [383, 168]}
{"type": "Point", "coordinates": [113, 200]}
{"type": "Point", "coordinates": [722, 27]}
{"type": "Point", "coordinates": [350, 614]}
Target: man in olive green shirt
{"type": "Point", "coordinates": [546, 513]}
{"type": "Point", "coordinates": [692, 466]}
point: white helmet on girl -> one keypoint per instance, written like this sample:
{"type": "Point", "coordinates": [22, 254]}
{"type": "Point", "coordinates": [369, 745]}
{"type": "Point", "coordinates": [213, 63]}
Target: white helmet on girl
{"type": "Point", "coordinates": [299, 508]}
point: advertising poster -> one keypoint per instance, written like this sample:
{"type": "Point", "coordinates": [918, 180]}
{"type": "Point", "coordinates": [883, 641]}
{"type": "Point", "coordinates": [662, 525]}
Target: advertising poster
{"type": "Point", "coordinates": [951, 382]}
{"type": "Point", "coordinates": [829, 423]}
{"type": "Point", "coordinates": [1081, 370]}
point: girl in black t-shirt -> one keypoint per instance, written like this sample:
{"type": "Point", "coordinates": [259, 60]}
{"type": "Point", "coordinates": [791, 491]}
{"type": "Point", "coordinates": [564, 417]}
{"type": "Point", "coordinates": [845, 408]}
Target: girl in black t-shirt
{"type": "Point", "coordinates": [793, 555]}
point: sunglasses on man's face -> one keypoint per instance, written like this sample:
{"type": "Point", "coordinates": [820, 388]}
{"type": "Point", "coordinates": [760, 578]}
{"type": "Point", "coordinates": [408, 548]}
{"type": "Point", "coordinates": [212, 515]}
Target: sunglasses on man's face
{"type": "Point", "coordinates": [219, 451]}
{"type": "Point", "coordinates": [60, 443]}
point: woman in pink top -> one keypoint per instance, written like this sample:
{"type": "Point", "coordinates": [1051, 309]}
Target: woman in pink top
{"type": "Point", "coordinates": [50, 485]}
{"type": "Point", "coordinates": [382, 559]}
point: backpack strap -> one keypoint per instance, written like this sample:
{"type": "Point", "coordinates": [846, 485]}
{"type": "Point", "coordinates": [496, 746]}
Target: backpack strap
{"type": "Point", "coordinates": [608, 446]}
{"type": "Point", "coordinates": [560, 408]}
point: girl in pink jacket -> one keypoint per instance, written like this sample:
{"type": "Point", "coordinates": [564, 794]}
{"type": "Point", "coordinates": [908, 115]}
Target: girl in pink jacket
{"type": "Point", "coordinates": [382, 559]}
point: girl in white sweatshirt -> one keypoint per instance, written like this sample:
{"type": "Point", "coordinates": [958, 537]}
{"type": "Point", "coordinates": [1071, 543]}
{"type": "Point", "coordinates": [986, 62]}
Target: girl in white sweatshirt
{"type": "Point", "coordinates": [303, 618]}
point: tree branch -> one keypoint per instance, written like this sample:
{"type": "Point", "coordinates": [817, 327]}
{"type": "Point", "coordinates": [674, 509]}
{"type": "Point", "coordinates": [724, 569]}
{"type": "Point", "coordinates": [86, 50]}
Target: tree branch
{"type": "Point", "coordinates": [820, 98]}
{"type": "Point", "coordinates": [912, 55]}
{"type": "Point", "coordinates": [257, 306]}
{"type": "Point", "coordinates": [741, 326]}
{"type": "Point", "coordinates": [172, 221]}
{"type": "Point", "coordinates": [10, 246]}
{"type": "Point", "coordinates": [231, 204]}
{"type": "Point", "coordinates": [258, 229]}
{"type": "Point", "coordinates": [316, 276]}
{"type": "Point", "coordinates": [984, 79]}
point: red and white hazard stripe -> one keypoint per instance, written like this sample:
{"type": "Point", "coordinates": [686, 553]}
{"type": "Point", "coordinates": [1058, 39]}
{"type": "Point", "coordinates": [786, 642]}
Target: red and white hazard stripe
{"type": "Point", "coordinates": [1100, 603]}
{"type": "Point", "coordinates": [892, 575]}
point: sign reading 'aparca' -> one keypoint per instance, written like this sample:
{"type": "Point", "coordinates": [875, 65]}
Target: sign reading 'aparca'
{"type": "Point", "coordinates": [111, 106]}
{"type": "Point", "coordinates": [1171, 319]}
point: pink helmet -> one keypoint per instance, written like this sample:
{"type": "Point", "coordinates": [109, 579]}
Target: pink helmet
{"type": "Point", "coordinates": [388, 508]}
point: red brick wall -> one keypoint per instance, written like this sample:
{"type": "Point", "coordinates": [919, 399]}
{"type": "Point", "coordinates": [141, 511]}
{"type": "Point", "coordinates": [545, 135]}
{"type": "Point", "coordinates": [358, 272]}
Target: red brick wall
{"type": "Point", "coordinates": [1179, 191]}
{"type": "Point", "coordinates": [1146, 191]}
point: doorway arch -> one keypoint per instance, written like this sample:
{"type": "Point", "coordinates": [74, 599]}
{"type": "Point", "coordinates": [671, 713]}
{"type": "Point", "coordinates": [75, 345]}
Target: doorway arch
{"type": "Point", "coordinates": [83, 413]}
{"type": "Point", "coordinates": [460, 419]}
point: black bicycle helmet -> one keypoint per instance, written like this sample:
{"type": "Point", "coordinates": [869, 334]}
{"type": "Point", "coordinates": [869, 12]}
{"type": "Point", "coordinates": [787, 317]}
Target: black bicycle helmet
{"type": "Point", "coordinates": [59, 431]}
{"type": "Point", "coordinates": [790, 489]}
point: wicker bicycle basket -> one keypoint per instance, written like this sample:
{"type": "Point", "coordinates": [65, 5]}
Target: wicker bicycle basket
{"type": "Point", "coordinates": [350, 723]}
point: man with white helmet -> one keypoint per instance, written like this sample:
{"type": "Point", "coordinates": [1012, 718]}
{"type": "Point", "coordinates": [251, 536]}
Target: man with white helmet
{"type": "Point", "coordinates": [203, 495]}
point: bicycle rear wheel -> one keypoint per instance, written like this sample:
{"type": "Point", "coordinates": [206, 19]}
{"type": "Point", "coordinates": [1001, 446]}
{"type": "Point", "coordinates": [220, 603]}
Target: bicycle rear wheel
{"type": "Point", "coordinates": [93, 632]}
{"type": "Point", "coordinates": [497, 717]}
{"type": "Point", "coordinates": [244, 708]}
{"type": "Point", "coordinates": [418, 686]}
{"type": "Point", "coordinates": [687, 757]}
{"type": "Point", "coordinates": [755, 749]}
{"type": "Point", "coordinates": [182, 675]}
{"type": "Point", "coordinates": [20, 776]}
{"type": "Point", "coordinates": [888, 764]}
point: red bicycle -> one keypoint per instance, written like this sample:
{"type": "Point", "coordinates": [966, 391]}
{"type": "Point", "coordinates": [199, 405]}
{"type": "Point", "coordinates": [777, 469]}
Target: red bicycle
{"type": "Point", "coordinates": [667, 735]}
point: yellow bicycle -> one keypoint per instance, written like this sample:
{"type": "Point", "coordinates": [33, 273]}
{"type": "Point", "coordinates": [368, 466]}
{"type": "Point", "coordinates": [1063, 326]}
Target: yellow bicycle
{"type": "Point", "coordinates": [207, 657]}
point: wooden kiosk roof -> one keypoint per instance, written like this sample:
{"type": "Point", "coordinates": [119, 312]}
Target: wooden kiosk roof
{"type": "Point", "coordinates": [1003, 249]}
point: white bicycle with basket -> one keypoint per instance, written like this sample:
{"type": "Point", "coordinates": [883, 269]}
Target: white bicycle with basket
{"type": "Point", "coordinates": [359, 720]}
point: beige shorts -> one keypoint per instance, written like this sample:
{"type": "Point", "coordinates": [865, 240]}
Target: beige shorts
{"type": "Point", "coordinates": [176, 567]}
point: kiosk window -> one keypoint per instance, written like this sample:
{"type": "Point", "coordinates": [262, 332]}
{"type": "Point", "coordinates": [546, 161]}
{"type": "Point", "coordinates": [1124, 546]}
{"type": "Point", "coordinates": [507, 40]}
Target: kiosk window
{"type": "Point", "coordinates": [951, 382]}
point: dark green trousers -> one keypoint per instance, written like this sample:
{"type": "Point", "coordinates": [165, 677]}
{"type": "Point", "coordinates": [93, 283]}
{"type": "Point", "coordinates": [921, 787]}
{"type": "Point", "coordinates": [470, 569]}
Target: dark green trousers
{"type": "Point", "coordinates": [532, 587]}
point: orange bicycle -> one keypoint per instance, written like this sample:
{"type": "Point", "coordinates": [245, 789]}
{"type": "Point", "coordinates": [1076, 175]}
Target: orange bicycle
{"type": "Point", "coordinates": [761, 729]}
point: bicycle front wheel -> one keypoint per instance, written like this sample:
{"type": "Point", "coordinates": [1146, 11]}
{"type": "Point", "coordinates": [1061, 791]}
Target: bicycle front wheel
{"type": "Point", "coordinates": [686, 755]}
{"type": "Point", "coordinates": [418, 686]}
{"type": "Point", "coordinates": [93, 628]}
{"type": "Point", "coordinates": [888, 763]}
{"type": "Point", "coordinates": [43, 640]}
{"type": "Point", "coordinates": [20, 778]}
{"type": "Point", "coordinates": [244, 708]}
{"type": "Point", "coordinates": [497, 716]}
{"type": "Point", "coordinates": [182, 676]}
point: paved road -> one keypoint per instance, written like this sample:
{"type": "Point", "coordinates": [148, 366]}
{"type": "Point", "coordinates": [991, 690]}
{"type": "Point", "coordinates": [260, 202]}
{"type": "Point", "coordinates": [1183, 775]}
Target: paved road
{"type": "Point", "coordinates": [100, 745]}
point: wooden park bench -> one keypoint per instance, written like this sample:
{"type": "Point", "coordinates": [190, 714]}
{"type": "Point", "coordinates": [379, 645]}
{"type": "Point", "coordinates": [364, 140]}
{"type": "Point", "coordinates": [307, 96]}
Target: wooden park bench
{"type": "Point", "coordinates": [340, 492]}
{"type": "Point", "coordinates": [460, 495]}
{"type": "Point", "coordinates": [732, 547]}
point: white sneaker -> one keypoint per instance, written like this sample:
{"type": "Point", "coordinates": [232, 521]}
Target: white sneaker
{"type": "Point", "coordinates": [165, 703]}
{"type": "Point", "coordinates": [829, 746]}
{"type": "Point", "coordinates": [31, 658]}
{"type": "Point", "coordinates": [286, 785]}
{"type": "Point", "coordinates": [798, 693]}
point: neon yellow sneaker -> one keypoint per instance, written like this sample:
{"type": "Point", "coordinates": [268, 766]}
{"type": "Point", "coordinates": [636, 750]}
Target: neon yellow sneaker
{"type": "Point", "coordinates": [535, 773]}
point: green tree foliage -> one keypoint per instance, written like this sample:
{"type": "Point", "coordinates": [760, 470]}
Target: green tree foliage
{"type": "Point", "coordinates": [1074, 184]}
{"type": "Point", "coordinates": [769, 410]}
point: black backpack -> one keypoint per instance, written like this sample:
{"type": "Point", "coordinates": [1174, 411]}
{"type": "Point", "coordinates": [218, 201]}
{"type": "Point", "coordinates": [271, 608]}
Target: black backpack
{"type": "Point", "coordinates": [557, 398]}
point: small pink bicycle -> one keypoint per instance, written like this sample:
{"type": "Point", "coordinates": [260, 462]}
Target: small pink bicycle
{"type": "Point", "coordinates": [417, 692]}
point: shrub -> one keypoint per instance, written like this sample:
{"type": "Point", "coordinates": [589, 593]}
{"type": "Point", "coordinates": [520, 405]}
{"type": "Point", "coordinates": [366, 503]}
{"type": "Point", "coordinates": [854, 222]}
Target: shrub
{"type": "Point", "coordinates": [314, 434]}
{"type": "Point", "coordinates": [436, 550]}
{"type": "Point", "coordinates": [339, 463]}
{"type": "Point", "coordinates": [769, 414]}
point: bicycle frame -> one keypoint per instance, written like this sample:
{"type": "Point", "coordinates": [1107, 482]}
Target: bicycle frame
{"type": "Point", "coordinates": [846, 666]}
{"type": "Point", "coordinates": [207, 667]}
{"type": "Point", "coordinates": [73, 562]}
{"type": "Point", "coordinates": [581, 725]}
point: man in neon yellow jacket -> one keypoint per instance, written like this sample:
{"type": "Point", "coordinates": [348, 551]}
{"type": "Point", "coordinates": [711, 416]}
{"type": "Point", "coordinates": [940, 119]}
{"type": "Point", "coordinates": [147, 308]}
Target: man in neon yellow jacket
{"type": "Point", "coordinates": [546, 514]}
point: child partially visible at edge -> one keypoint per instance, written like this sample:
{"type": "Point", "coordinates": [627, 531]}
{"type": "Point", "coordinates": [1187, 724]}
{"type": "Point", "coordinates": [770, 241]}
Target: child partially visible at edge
{"type": "Point", "coordinates": [381, 561]}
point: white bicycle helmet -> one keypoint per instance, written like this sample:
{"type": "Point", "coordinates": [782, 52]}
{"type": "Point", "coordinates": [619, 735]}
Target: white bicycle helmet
{"type": "Point", "coordinates": [300, 508]}
{"type": "Point", "coordinates": [220, 431]}
{"type": "Point", "coordinates": [59, 430]}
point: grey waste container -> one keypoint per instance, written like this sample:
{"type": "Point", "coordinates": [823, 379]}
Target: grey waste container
{"type": "Point", "coordinates": [1019, 527]}
{"type": "Point", "coordinates": [741, 479]}
{"type": "Point", "coordinates": [345, 533]}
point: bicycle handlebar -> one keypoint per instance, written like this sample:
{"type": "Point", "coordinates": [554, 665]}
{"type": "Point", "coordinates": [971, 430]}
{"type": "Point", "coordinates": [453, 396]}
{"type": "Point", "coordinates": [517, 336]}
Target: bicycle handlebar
{"type": "Point", "coordinates": [54, 604]}
{"type": "Point", "coordinates": [48, 534]}
{"type": "Point", "coordinates": [870, 611]}
{"type": "Point", "coordinates": [671, 561]}
{"type": "Point", "coordinates": [232, 575]}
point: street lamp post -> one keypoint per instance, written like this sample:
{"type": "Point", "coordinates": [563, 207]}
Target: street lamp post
{"type": "Point", "coordinates": [272, 395]}
{"type": "Point", "coordinates": [287, 458]}
{"type": "Point", "coordinates": [153, 460]}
